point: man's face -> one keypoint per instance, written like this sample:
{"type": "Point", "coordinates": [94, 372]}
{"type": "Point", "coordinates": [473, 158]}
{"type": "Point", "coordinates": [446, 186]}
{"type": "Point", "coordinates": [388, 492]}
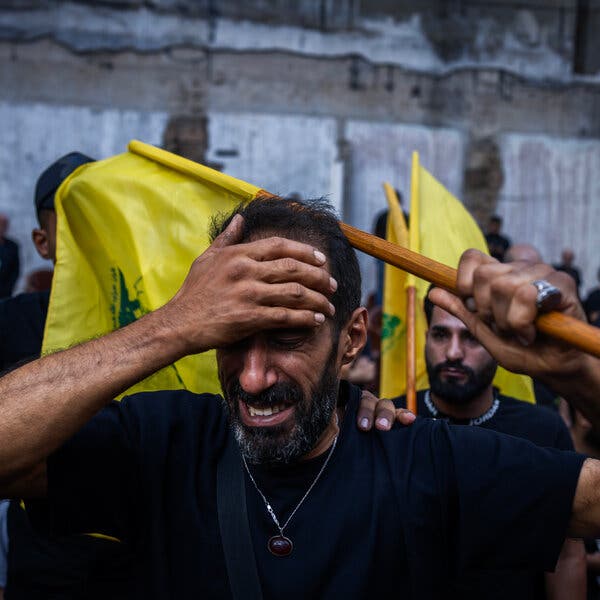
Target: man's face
{"type": "Point", "coordinates": [459, 367]}
{"type": "Point", "coordinates": [280, 390]}
{"type": "Point", "coordinates": [494, 226]}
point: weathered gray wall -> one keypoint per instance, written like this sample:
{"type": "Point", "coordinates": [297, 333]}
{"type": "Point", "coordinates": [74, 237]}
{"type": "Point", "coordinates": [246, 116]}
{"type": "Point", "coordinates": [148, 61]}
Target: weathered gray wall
{"type": "Point", "coordinates": [314, 96]}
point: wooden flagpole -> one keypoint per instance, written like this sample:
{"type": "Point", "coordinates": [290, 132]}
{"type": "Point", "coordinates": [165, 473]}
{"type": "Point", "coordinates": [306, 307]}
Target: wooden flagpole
{"type": "Point", "coordinates": [561, 327]}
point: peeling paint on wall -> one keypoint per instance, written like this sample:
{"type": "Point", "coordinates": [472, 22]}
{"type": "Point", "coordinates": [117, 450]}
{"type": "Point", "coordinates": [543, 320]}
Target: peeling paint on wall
{"type": "Point", "coordinates": [551, 197]}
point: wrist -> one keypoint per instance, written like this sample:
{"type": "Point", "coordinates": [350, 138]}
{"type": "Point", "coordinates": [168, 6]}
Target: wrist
{"type": "Point", "coordinates": [172, 340]}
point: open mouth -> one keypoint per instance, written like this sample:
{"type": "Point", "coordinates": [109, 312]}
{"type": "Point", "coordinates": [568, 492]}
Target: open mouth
{"type": "Point", "coordinates": [266, 415]}
{"type": "Point", "coordinates": [267, 411]}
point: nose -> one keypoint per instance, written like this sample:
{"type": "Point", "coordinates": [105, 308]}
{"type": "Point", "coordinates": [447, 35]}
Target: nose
{"type": "Point", "coordinates": [454, 350]}
{"type": "Point", "coordinates": [257, 374]}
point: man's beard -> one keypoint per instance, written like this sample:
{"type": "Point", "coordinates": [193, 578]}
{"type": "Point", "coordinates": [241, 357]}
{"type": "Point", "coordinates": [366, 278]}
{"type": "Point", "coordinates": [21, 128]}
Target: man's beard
{"type": "Point", "coordinates": [279, 444]}
{"type": "Point", "coordinates": [454, 391]}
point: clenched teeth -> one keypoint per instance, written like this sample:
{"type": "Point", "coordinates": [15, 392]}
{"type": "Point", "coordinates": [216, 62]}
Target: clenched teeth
{"type": "Point", "coordinates": [265, 412]}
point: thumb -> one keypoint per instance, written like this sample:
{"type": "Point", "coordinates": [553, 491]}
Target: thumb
{"type": "Point", "coordinates": [232, 233]}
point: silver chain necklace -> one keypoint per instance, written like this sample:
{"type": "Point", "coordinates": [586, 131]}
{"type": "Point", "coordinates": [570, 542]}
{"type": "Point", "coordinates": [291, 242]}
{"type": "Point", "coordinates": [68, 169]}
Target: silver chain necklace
{"type": "Point", "coordinates": [281, 545]}
{"type": "Point", "coordinates": [486, 416]}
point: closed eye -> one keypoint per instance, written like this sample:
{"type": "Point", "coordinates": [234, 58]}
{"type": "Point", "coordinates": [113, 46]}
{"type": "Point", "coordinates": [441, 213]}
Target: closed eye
{"type": "Point", "coordinates": [289, 339]}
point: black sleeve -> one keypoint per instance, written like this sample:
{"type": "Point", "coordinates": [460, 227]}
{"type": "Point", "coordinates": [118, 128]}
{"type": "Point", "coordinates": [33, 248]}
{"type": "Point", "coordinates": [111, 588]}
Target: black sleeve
{"type": "Point", "coordinates": [15, 270]}
{"type": "Point", "coordinates": [93, 478]}
{"type": "Point", "coordinates": [563, 439]}
{"type": "Point", "coordinates": [513, 499]}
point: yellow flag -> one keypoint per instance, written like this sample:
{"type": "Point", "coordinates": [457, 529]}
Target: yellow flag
{"type": "Point", "coordinates": [393, 326]}
{"type": "Point", "coordinates": [129, 228]}
{"type": "Point", "coordinates": [446, 231]}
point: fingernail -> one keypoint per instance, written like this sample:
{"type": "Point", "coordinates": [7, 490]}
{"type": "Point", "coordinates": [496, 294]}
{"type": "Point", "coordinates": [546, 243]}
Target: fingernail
{"type": "Point", "coordinates": [383, 422]}
{"type": "Point", "coordinates": [409, 417]}
{"type": "Point", "coordinates": [319, 318]}
{"type": "Point", "coordinates": [331, 309]}
{"type": "Point", "coordinates": [364, 423]}
{"type": "Point", "coordinates": [332, 284]}
{"type": "Point", "coordinates": [470, 304]}
{"type": "Point", "coordinates": [319, 256]}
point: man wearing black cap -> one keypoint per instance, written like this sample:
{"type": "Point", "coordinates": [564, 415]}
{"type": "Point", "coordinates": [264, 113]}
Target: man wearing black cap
{"type": "Point", "coordinates": [22, 318]}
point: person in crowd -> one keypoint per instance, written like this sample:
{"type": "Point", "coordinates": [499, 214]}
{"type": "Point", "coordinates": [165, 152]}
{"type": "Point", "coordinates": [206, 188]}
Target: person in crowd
{"type": "Point", "coordinates": [497, 243]}
{"type": "Point", "coordinates": [461, 372]}
{"type": "Point", "coordinates": [567, 264]}
{"type": "Point", "coordinates": [9, 260]}
{"type": "Point", "coordinates": [523, 252]}
{"type": "Point", "coordinates": [329, 511]}
{"type": "Point", "coordinates": [23, 317]}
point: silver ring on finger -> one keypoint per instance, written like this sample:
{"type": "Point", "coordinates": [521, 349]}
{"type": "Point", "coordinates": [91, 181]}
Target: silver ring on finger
{"type": "Point", "coordinates": [548, 296]}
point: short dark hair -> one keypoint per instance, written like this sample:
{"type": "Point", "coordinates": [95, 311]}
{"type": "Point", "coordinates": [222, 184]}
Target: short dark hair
{"type": "Point", "coordinates": [309, 221]}
{"type": "Point", "coordinates": [496, 219]}
{"type": "Point", "coordinates": [428, 305]}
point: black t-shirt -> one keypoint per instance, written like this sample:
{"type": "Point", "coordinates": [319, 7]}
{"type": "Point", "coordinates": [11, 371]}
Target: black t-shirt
{"type": "Point", "coordinates": [513, 417]}
{"type": "Point", "coordinates": [394, 514]}
{"type": "Point", "coordinates": [22, 321]}
{"type": "Point", "coordinates": [9, 267]}
{"type": "Point", "coordinates": [77, 567]}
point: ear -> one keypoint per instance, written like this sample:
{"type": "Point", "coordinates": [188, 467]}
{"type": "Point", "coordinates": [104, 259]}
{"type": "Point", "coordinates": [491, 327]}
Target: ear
{"type": "Point", "coordinates": [354, 336]}
{"type": "Point", "coordinates": [40, 241]}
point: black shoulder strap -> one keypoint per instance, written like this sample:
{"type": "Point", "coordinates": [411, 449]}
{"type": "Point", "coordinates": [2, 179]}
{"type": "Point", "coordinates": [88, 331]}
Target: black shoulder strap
{"type": "Point", "coordinates": [233, 523]}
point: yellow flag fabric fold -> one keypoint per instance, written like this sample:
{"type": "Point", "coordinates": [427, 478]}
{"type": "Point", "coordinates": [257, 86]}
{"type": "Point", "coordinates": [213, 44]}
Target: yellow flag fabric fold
{"type": "Point", "coordinates": [129, 228]}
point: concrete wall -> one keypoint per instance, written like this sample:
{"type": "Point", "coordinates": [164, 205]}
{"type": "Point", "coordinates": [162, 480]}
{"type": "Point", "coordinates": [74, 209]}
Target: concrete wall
{"type": "Point", "coordinates": [551, 197]}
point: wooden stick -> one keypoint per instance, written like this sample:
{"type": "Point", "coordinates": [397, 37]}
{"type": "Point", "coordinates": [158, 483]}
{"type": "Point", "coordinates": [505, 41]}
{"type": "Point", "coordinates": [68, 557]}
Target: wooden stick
{"type": "Point", "coordinates": [561, 327]}
{"type": "Point", "coordinates": [411, 350]}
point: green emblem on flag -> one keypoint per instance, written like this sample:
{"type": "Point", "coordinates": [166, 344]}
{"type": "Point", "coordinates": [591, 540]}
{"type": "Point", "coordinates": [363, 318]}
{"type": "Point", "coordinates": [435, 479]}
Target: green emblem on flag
{"type": "Point", "coordinates": [392, 327]}
{"type": "Point", "coordinates": [125, 308]}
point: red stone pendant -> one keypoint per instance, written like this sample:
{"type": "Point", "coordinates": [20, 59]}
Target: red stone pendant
{"type": "Point", "coordinates": [279, 545]}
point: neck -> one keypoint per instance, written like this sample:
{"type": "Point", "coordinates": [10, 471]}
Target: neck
{"type": "Point", "coordinates": [327, 436]}
{"type": "Point", "coordinates": [471, 410]}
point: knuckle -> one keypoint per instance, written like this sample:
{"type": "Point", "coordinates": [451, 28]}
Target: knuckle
{"type": "Point", "coordinates": [277, 243]}
{"type": "Point", "coordinates": [471, 255]}
{"type": "Point", "coordinates": [249, 293]}
{"type": "Point", "coordinates": [280, 316]}
{"type": "Point", "coordinates": [290, 266]}
{"type": "Point", "coordinates": [297, 291]}
{"type": "Point", "coordinates": [563, 281]}
{"type": "Point", "coordinates": [237, 270]}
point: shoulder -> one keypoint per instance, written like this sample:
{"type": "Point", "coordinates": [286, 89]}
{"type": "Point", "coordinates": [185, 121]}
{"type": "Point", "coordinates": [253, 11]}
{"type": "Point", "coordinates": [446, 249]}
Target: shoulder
{"type": "Point", "coordinates": [538, 424]}
{"type": "Point", "coordinates": [28, 303]}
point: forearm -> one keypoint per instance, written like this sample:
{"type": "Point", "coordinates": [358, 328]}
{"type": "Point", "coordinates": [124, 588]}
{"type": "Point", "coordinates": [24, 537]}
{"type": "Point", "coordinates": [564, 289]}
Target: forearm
{"type": "Point", "coordinates": [580, 389]}
{"type": "Point", "coordinates": [568, 582]}
{"type": "Point", "coordinates": [585, 517]}
{"type": "Point", "coordinates": [46, 401]}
